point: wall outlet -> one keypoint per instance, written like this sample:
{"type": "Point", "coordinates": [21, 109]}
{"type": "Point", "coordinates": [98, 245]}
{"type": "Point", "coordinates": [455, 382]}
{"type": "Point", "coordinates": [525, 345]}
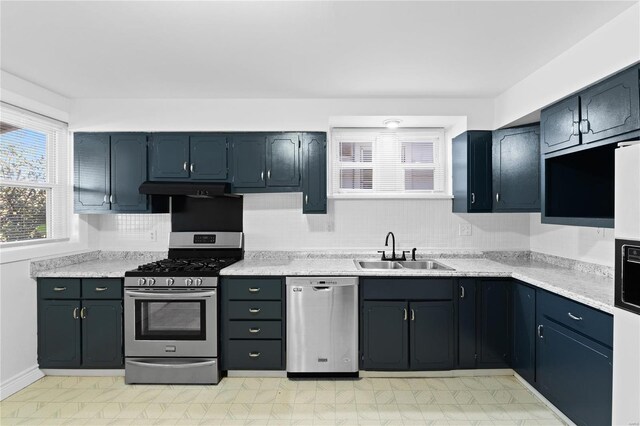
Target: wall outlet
{"type": "Point", "coordinates": [153, 235]}
{"type": "Point", "coordinates": [464, 230]}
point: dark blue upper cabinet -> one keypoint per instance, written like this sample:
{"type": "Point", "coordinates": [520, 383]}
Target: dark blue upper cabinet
{"type": "Point", "coordinates": [169, 156]}
{"type": "Point", "coordinates": [523, 359]}
{"type": "Point", "coordinates": [209, 156]}
{"type": "Point", "coordinates": [431, 336]}
{"type": "Point", "coordinates": [91, 172]}
{"type": "Point", "coordinates": [611, 108]}
{"type": "Point", "coordinates": [314, 173]}
{"type": "Point", "coordinates": [128, 171]}
{"type": "Point", "coordinates": [283, 160]}
{"type": "Point", "coordinates": [472, 172]}
{"type": "Point", "coordinates": [516, 169]}
{"type": "Point", "coordinates": [560, 125]}
{"type": "Point", "coordinates": [249, 161]}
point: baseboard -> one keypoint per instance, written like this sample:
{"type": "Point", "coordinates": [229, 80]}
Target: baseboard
{"type": "Point", "coordinates": [20, 381]}
{"type": "Point", "coordinates": [445, 373]}
{"type": "Point", "coordinates": [83, 372]}
{"type": "Point", "coordinates": [256, 373]}
{"type": "Point", "coordinates": [544, 400]}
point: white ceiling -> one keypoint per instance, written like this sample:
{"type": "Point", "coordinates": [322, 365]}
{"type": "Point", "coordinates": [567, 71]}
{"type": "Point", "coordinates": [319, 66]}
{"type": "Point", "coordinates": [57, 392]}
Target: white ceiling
{"type": "Point", "coordinates": [176, 49]}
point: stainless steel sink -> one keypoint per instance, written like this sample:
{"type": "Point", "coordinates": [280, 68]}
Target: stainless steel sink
{"type": "Point", "coordinates": [404, 264]}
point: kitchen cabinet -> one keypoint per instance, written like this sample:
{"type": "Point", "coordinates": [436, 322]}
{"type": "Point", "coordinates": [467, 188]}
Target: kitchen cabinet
{"type": "Point", "coordinates": [314, 173]}
{"type": "Point", "coordinates": [80, 323]}
{"type": "Point", "coordinates": [183, 156]}
{"type": "Point", "coordinates": [484, 331]}
{"type": "Point", "coordinates": [253, 323]}
{"type": "Point", "coordinates": [108, 169]}
{"type": "Point", "coordinates": [574, 358]}
{"type": "Point", "coordinates": [407, 324]}
{"type": "Point", "coordinates": [560, 125]}
{"type": "Point", "coordinates": [523, 359]}
{"type": "Point", "coordinates": [249, 157]}
{"type": "Point", "coordinates": [283, 160]}
{"type": "Point", "coordinates": [516, 169]}
{"type": "Point", "coordinates": [472, 178]}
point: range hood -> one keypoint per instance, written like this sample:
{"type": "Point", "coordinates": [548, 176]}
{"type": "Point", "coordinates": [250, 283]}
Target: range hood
{"type": "Point", "coordinates": [190, 189]}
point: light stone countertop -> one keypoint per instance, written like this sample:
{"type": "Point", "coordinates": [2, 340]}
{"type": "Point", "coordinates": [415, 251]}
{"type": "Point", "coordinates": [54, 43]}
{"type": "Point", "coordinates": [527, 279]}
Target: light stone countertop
{"type": "Point", "coordinates": [91, 269]}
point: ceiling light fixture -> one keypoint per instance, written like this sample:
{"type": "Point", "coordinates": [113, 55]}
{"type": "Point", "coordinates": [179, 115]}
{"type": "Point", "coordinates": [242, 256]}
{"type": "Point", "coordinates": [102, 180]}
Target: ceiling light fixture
{"type": "Point", "coordinates": [391, 123]}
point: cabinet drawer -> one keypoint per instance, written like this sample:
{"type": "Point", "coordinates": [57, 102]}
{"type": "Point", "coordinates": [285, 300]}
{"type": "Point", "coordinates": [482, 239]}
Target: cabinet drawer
{"type": "Point", "coordinates": [255, 310]}
{"type": "Point", "coordinates": [58, 288]}
{"type": "Point", "coordinates": [101, 288]}
{"type": "Point", "coordinates": [407, 288]}
{"type": "Point", "coordinates": [588, 321]}
{"type": "Point", "coordinates": [255, 329]}
{"type": "Point", "coordinates": [254, 355]}
{"type": "Point", "coordinates": [254, 289]}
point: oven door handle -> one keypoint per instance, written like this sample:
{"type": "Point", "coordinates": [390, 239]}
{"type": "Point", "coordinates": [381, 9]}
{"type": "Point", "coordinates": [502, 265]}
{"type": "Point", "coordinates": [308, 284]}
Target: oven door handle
{"type": "Point", "coordinates": [160, 365]}
{"type": "Point", "coordinates": [174, 295]}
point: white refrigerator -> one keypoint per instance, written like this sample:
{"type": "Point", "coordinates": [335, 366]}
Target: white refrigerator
{"type": "Point", "coordinates": [626, 328]}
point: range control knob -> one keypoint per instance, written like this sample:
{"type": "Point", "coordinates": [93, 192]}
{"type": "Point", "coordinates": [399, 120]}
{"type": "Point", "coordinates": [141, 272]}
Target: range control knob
{"type": "Point", "coordinates": [151, 281]}
{"type": "Point", "coordinates": [188, 281]}
{"type": "Point", "coordinates": [142, 281]}
{"type": "Point", "coordinates": [198, 281]}
{"type": "Point", "coordinates": [170, 281]}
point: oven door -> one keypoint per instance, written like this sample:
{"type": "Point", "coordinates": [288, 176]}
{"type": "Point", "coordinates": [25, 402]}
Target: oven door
{"type": "Point", "coordinates": [170, 322]}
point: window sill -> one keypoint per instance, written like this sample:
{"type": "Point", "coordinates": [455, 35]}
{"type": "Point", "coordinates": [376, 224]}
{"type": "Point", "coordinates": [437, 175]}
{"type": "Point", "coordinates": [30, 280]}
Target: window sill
{"type": "Point", "coordinates": [393, 196]}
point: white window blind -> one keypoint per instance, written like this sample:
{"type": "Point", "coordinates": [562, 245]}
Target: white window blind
{"type": "Point", "coordinates": [33, 176]}
{"type": "Point", "coordinates": [376, 161]}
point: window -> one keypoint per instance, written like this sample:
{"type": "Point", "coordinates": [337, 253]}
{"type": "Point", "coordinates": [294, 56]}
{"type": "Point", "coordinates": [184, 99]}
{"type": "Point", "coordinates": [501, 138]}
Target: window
{"type": "Point", "coordinates": [384, 162]}
{"type": "Point", "coordinates": [33, 176]}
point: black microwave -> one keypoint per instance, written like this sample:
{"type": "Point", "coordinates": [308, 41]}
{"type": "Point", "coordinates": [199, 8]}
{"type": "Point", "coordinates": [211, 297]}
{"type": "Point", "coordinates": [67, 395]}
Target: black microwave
{"type": "Point", "coordinates": [627, 278]}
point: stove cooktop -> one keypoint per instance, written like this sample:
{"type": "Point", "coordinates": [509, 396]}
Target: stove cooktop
{"type": "Point", "coordinates": [202, 267]}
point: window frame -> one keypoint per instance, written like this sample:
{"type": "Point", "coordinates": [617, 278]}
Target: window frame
{"type": "Point", "coordinates": [403, 135]}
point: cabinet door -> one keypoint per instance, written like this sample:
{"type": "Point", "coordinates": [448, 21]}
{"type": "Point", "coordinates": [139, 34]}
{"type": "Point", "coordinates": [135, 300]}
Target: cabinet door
{"type": "Point", "coordinates": [208, 157]}
{"type": "Point", "coordinates": [611, 108]}
{"type": "Point", "coordinates": [128, 171]}
{"type": "Point", "coordinates": [480, 172]}
{"type": "Point", "coordinates": [494, 344]}
{"type": "Point", "coordinates": [102, 333]}
{"type": "Point", "coordinates": [314, 173]}
{"type": "Point", "coordinates": [169, 157]}
{"type": "Point", "coordinates": [249, 161]}
{"type": "Point", "coordinates": [524, 338]}
{"type": "Point", "coordinates": [431, 335]}
{"type": "Point", "coordinates": [516, 169]}
{"type": "Point", "coordinates": [467, 323]}
{"type": "Point", "coordinates": [560, 125]}
{"type": "Point", "coordinates": [283, 160]}
{"type": "Point", "coordinates": [59, 333]}
{"type": "Point", "coordinates": [385, 336]}
{"type": "Point", "coordinates": [575, 374]}
{"type": "Point", "coordinates": [91, 170]}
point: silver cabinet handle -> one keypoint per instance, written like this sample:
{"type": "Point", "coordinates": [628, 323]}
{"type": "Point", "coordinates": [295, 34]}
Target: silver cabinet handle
{"type": "Point", "coordinates": [171, 366]}
{"type": "Point", "coordinates": [101, 288]}
{"type": "Point", "coordinates": [59, 288]}
{"type": "Point", "coordinates": [104, 199]}
{"type": "Point", "coordinates": [254, 289]}
{"type": "Point", "coordinates": [461, 292]}
{"type": "Point", "coordinates": [254, 354]}
{"type": "Point", "coordinates": [497, 197]}
{"type": "Point", "coordinates": [573, 317]}
{"type": "Point", "coordinates": [191, 168]}
{"type": "Point", "coordinates": [540, 332]}
{"type": "Point", "coordinates": [306, 199]}
{"type": "Point", "coordinates": [405, 314]}
{"type": "Point", "coordinates": [184, 166]}
{"type": "Point", "coordinates": [584, 126]}
{"type": "Point", "coordinates": [575, 128]}
{"type": "Point", "coordinates": [254, 310]}
{"type": "Point", "coordinates": [473, 198]}
{"type": "Point", "coordinates": [262, 175]}
{"type": "Point", "coordinates": [83, 312]}
{"type": "Point", "coordinates": [75, 313]}
{"type": "Point", "coordinates": [269, 174]}
{"type": "Point", "coordinates": [254, 330]}
{"type": "Point", "coordinates": [111, 199]}
{"type": "Point", "coordinates": [413, 315]}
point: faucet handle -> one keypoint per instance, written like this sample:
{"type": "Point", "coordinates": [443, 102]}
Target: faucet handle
{"type": "Point", "coordinates": [413, 253]}
{"type": "Point", "coordinates": [384, 255]}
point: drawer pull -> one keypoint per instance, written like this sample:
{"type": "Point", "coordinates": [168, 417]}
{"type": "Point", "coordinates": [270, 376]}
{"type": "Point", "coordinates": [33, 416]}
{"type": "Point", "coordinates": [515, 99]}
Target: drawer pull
{"type": "Point", "coordinates": [573, 317]}
{"type": "Point", "coordinates": [254, 289]}
{"type": "Point", "coordinates": [254, 354]}
{"type": "Point", "coordinates": [83, 313]}
{"type": "Point", "coordinates": [59, 288]}
{"type": "Point", "coordinates": [254, 330]}
{"type": "Point", "coordinates": [101, 288]}
{"type": "Point", "coordinates": [254, 310]}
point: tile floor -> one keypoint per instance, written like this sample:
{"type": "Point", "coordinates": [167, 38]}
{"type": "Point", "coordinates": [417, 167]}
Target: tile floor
{"type": "Point", "coordinates": [497, 400]}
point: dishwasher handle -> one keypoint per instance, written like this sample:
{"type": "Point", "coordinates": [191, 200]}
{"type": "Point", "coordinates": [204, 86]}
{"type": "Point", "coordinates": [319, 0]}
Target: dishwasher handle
{"type": "Point", "coordinates": [321, 288]}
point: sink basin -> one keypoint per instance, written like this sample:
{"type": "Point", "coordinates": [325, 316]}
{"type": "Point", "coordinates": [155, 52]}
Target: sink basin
{"type": "Point", "coordinates": [404, 264]}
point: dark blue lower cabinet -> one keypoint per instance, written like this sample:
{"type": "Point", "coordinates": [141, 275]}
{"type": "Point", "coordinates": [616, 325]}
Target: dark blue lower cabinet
{"type": "Point", "coordinates": [101, 333]}
{"type": "Point", "coordinates": [575, 374]}
{"type": "Point", "coordinates": [494, 331]}
{"type": "Point", "coordinates": [431, 335]}
{"type": "Point", "coordinates": [523, 359]}
{"type": "Point", "coordinates": [385, 335]}
{"type": "Point", "coordinates": [59, 334]}
{"type": "Point", "coordinates": [467, 335]}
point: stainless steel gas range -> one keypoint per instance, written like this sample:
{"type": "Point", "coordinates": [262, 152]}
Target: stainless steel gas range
{"type": "Point", "coordinates": [170, 310]}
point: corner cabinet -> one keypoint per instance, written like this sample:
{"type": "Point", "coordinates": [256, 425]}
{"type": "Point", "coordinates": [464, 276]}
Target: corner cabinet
{"type": "Point", "coordinates": [80, 323]}
{"type": "Point", "coordinates": [314, 173]}
{"type": "Point", "coordinates": [523, 359]}
{"type": "Point", "coordinates": [108, 169]}
{"type": "Point", "coordinates": [516, 169]}
{"type": "Point", "coordinates": [472, 172]}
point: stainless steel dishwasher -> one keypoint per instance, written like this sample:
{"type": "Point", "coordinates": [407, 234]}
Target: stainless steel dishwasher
{"type": "Point", "coordinates": [322, 325]}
